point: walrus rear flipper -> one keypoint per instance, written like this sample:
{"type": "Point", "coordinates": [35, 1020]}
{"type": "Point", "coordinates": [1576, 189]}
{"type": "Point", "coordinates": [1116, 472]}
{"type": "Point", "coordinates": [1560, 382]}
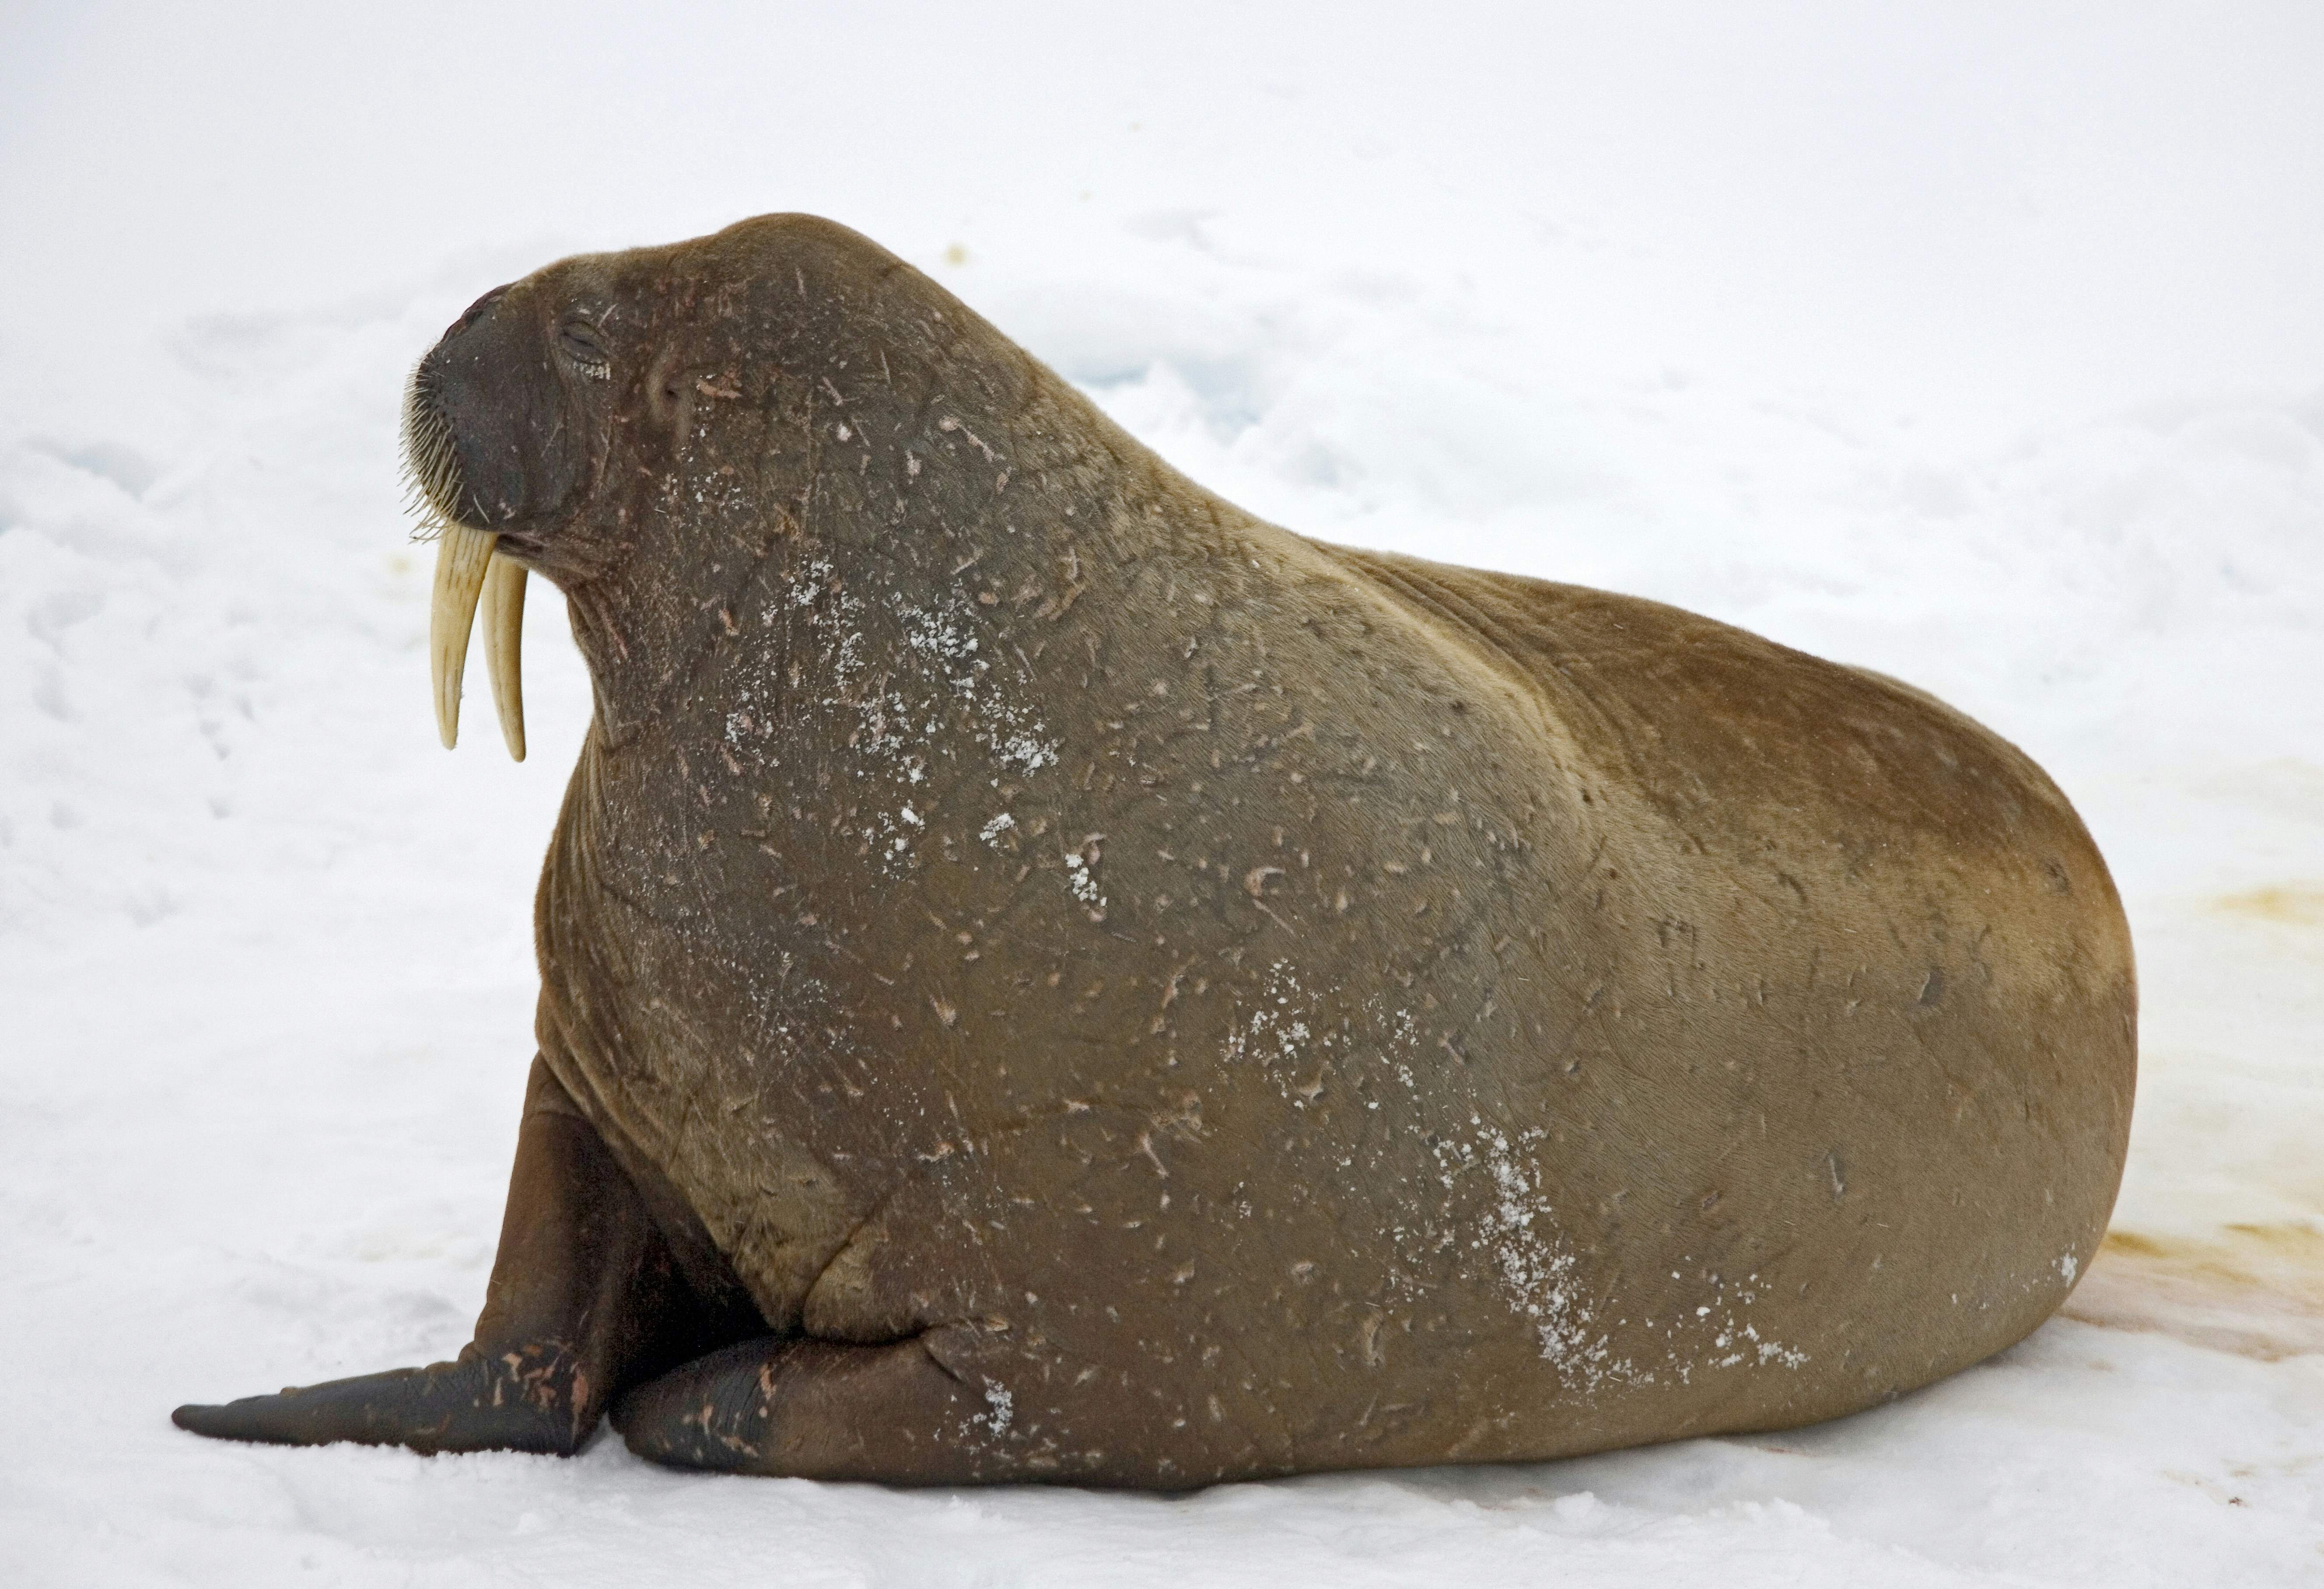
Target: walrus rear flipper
{"type": "Point", "coordinates": [800, 1408]}
{"type": "Point", "coordinates": [585, 1300]}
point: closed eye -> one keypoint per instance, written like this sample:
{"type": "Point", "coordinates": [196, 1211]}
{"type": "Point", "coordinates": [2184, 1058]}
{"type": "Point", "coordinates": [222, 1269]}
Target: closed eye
{"type": "Point", "coordinates": [578, 343]}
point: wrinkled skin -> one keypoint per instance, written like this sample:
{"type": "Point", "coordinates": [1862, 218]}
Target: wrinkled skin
{"type": "Point", "coordinates": [1047, 976]}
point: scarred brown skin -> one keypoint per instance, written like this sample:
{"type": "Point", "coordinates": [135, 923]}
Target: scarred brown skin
{"type": "Point", "coordinates": [1064, 980]}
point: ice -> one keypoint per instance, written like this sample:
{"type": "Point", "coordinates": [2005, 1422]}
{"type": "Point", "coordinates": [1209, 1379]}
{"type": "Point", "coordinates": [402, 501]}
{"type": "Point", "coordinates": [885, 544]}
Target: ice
{"type": "Point", "coordinates": [1981, 346]}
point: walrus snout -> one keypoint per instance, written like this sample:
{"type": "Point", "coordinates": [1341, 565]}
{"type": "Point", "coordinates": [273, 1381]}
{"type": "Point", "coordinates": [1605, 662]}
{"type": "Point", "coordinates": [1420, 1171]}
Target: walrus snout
{"type": "Point", "coordinates": [495, 442]}
{"type": "Point", "coordinates": [513, 453]}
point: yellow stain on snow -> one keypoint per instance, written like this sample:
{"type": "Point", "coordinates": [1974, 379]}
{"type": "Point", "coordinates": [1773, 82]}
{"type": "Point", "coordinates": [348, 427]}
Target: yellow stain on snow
{"type": "Point", "coordinates": [2293, 904]}
{"type": "Point", "coordinates": [2253, 1289]}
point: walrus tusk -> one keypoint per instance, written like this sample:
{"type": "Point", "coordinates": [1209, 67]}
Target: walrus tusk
{"type": "Point", "coordinates": [504, 613]}
{"type": "Point", "coordinates": [462, 555]}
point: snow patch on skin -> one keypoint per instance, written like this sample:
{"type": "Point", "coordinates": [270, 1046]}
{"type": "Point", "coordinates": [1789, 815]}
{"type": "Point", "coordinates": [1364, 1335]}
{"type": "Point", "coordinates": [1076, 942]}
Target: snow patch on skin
{"type": "Point", "coordinates": [1011, 731]}
{"type": "Point", "coordinates": [1538, 1272]}
{"type": "Point", "coordinates": [1735, 1340]}
{"type": "Point", "coordinates": [832, 608]}
{"type": "Point", "coordinates": [894, 718]}
{"type": "Point", "coordinates": [2069, 1266]}
{"type": "Point", "coordinates": [883, 717]}
{"type": "Point", "coordinates": [1027, 752]}
{"type": "Point", "coordinates": [992, 831]}
{"type": "Point", "coordinates": [1082, 881]}
{"type": "Point", "coordinates": [1399, 1042]}
{"type": "Point", "coordinates": [1081, 874]}
{"type": "Point", "coordinates": [1278, 1035]}
{"type": "Point", "coordinates": [999, 1411]}
{"type": "Point", "coordinates": [1531, 1257]}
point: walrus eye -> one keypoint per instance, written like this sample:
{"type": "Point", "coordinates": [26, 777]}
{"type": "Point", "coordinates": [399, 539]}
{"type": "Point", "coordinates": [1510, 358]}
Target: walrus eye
{"type": "Point", "coordinates": [579, 343]}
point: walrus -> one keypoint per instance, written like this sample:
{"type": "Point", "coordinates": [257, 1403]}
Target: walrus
{"type": "Point", "coordinates": [1047, 976]}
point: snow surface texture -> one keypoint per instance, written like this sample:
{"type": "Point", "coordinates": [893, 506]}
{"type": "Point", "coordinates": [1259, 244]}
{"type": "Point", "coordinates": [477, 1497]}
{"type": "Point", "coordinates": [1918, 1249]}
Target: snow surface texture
{"type": "Point", "coordinates": [1981, 346]}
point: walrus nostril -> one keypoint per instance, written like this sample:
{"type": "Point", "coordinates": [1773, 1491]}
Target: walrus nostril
{"type": "Point", "coordinates": [476, 311]}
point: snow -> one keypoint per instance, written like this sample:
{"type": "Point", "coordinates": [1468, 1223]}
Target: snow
{"type": "Point", "coordinates": [1981, 346]}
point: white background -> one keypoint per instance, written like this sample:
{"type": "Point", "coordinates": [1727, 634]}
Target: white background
{"type": "Point", "coordinates": [1982, 345]}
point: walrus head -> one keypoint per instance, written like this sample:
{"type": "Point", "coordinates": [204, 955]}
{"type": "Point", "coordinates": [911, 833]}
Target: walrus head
{"type": "Point", "coordinates": [654, 430]}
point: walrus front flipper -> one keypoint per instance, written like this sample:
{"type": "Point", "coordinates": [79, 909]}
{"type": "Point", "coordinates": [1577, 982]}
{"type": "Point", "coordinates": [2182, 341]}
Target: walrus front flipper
{"type": "Point", "coordinates": [469, 1404]}
{"type": "Point", "coordinates": [584, 1299]}
{"type": "Point", "coordinates": [800, 1408]}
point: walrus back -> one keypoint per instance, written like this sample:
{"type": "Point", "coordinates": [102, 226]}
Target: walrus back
{"type": "Point", "coordinates": [1714, 720]}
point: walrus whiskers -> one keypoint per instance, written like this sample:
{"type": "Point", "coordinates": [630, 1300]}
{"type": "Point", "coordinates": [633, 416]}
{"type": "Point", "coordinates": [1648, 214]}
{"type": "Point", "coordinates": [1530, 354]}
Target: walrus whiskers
{"type": "Point", "coordinates": [431, 464]}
